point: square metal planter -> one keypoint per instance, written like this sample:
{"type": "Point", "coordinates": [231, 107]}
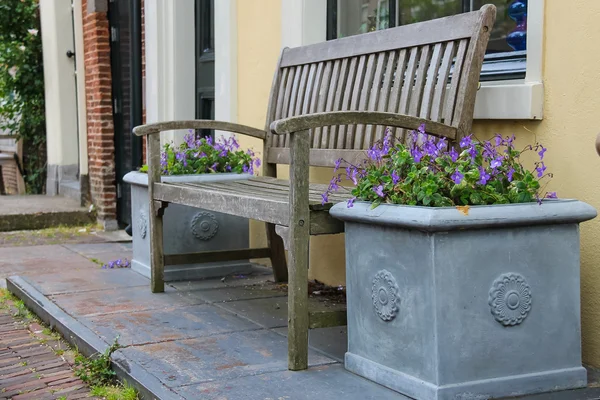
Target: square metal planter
{"type": "Point", "coordinates": [187, 230]}
{"type": "Point", "coordinates": [473, 304]}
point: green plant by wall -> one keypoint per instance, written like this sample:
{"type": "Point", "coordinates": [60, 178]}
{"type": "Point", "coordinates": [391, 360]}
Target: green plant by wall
{"type": "Point", "coordinates": [22, 110]}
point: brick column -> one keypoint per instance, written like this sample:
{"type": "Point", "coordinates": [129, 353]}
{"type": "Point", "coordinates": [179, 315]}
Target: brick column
{"type": "Point", "coordinates": [101, 148]}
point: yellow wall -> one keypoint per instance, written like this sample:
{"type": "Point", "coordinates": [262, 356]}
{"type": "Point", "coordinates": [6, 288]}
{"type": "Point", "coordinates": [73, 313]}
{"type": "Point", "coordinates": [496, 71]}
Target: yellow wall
{"type": "Point", "coordinates": [571, 122]}
{"type": "Point", "coordinates": [571, 75]}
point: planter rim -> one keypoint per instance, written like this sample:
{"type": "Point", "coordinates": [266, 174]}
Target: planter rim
{"type": "Point", "coordinates": [441, 219]}
{"type": "Point", "coordinates": [141, 178]}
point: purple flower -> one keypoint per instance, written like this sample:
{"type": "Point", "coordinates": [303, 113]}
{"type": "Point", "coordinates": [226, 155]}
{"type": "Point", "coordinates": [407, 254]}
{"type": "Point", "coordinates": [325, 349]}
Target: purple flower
{"type": "Point", "coordinates": [257, 162]}
{"type": "Point", "coordinates": [540, 169]}
{"type": "Point", "coordinates": [351, 174]}
{"type": "Point", "coordinates": [379, 190]}
{"type": "Point", "coordinates": [351, 202]}
{"type": "Point", "coordinates": [497, 162]}
{"type": "Point", "coordinates": [510, 173]}
{"type": "Point", "coordinates": [250, 153]}
{"type": "Point", "coordinates": [395, 178]}
{"type": "Point", "coordinates": [541, 152]}
{"type": "Point", "coordinates": [214, 166]}
{"type": "Point", "coordinates": [190, 140]}
{"type": "Point", "coordinates": [416, 153]}
{"type": "Point", "coordinates": [337, 164]}
{"type": "Point", "coordinates": [465, 142]}
{"type": "Point", "coordinates": [473, 152]}
{"type": "Point", "coordinates": [421, 128]}
{"type": "Point", "coordinates": [228, 168]}
{"type": "Point", "coordinates": [209, 140]}
{"type": "Point", "coordinates": [430, 148]}
{"type": "Point", "coordinates": [489, 151]}
{"type": "Point", "coordinates": [325, 198]}
{"type": "Point", "coordinates": [453, 154]}
{"type": "Point", "coordinates": [244, 168]}
{"type": "Point", "coordinates": [441, 144]}
{"type": "Point", "coordinates": [457, 177]}
{"type": "Point", "coordinates": [483, 176]}
{"type": "Point", "coordinates": [498, 139]}
{"type": "Point", "coordinates": [551, 195]}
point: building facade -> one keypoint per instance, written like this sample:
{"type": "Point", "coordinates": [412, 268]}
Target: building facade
{"type": "Point", "coordinates": [215, 59]}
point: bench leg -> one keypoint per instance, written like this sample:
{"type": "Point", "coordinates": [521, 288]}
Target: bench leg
{"type": "Point", "coordinates": [280, 270]}
{"type": "Point", "coordinates": [157, 260]}
{"type": "Point", "coordinates": [298, 242]}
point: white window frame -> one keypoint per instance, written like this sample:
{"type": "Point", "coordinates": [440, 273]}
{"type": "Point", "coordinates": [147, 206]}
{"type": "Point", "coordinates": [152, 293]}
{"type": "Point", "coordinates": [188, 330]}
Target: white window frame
{"type": "Point", "coordinates": [304, 22]}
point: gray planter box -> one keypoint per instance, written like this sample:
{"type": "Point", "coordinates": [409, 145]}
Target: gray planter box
{"type": "Point", "coordinates": [186, 230]}
{"type": "Point", "coordinates": [443, 305]}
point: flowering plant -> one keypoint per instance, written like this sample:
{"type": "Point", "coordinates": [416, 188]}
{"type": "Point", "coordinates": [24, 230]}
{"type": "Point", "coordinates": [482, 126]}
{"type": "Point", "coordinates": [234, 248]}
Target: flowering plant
{"type": "Point", "coordinates": [120, 263]}
{"type": "Point", "coordinates": [430, 173]}
{"type": "Point", "coordinates": [200, 156]}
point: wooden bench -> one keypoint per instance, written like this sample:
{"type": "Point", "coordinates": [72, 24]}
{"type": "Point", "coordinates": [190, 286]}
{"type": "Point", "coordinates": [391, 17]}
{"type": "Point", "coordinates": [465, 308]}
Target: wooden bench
{"type": "Point", "coordinates": [11, 153]}
{"type": "Point", "coordinates": [328, 100]}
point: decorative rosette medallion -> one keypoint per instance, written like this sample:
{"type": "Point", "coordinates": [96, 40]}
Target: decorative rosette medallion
{"type": "Point", "coordinates": [143, 224]}
{"type": "Point", "coordinates": [510, 299]}
{"type": "Point", "coordinates": [204, 226]}
{"type": "Point", "coordinates": [385, 295]}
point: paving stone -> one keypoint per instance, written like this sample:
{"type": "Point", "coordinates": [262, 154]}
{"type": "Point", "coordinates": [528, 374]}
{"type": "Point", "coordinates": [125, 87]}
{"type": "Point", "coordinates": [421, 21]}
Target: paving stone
{"type": "Point", "coordinates": [258, 275]}
{"type": "Point", "coordinates": [268, 313]}
{"type": "Point", "coordinates": [133, 299]}
{"type": "Point", "coordinates": [168, 324]}
{"type": "Point", "coordinates": [332, 341]}
{"type": "Point", "coordinates": [73, 281]}
{"type": "Point", "coordinates": [323, 382]}
{"type": "Point", "coordinates": [246, 292]}
{"type": "Point", "coordinates": [220, 357]}
{"type": "Point", "coordinates": [91, 249]}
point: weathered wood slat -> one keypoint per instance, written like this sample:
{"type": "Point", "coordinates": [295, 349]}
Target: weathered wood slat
{"type": "Point", "coordinates": [314, 98]}
{"type": "Point", "coordinates": [287, 98]}
{"type": "Point", "coordinates": [374, 102]}
{"type": "Point", "coordinates": [439, 30]}
{"type": "Point", "coordinates": [216, 256]}
{"type": "Point", "coordinates": [421, 75]}
{"type": "Point", "coordinates": [335, 75]}
{"type": "Point", "coordinates": [356, 93]}
{"type": "Point", "coordinates": [157, 266]}
{"type": "Point", "coordinates": [154, 128]}
{"type": "Point", "coordinates": [364, 99]}
{"type": "Point", "coordinates": [407, 85]}
{"type": "Point", "coordinates": [440, 87]}
{"type": "Point", "coordinates": [318, 157]}
{"type": "Point", "coordinates": [430, 81]}
{"type": "Point", "coordinates": [294, 95]}
{"type": "Point", "coordinates": [347, 96]}
{"type": "Point", "coordinates": [322, 101]}
{"type": "Point", "coordinates": [454, 82]}
{"type": "Point", "coordinates": [280, 99]}
{"type": "Point", "coordinates": [301, 122]}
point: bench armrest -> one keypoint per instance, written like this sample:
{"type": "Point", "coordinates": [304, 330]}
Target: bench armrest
{"type": "Point", "coordinates": [311, 121]}
{"type": "Point", "coordinates": [150, 129]}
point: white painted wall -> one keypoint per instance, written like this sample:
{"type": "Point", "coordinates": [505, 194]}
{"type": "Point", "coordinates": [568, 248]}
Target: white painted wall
{"type": "Point", "coordinates": [80, 78]}
{"type": "Point", "coordinates": [59, 80]}
{"type": "Point", "coordinates": [170, 62]}
{"type": "Point", "coordinates": [226, 50]}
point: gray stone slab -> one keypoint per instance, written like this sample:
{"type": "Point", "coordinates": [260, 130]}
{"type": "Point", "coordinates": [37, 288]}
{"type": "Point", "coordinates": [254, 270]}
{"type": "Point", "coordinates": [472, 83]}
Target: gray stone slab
{"type": "Point", "coordinates": [227, 294]}
{"type": "Point", "coordinates": [91, 249]}
{"type": "Point", "coordinates": [153, 326]}
{"type": "Point", "coordinates": [220, 357]}
{"type": "Point", "coordinates": [268, 312]}
{"type": "Point", "coordinates": [323, 382]}
{"type": "Point", "coordinates": [332, 341]}
{"type": "Point", "coordinates": [257, 275]}
{"type": "Point", "coordinates": [81, 280]}
{"type": "Point", "coordinates": [122, 301]}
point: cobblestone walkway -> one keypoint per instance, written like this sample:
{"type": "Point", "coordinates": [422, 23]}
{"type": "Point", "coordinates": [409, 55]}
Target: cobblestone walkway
{"type": "Point", "coordinates": [31, 364]}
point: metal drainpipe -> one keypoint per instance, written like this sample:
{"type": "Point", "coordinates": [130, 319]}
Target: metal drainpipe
{"type": "Point", "coordinates": [136, 80]}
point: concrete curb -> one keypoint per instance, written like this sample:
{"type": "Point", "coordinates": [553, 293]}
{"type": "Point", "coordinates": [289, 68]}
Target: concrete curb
{"type": "Point", "coordinates": [43, 220]}
{"type": "Point", "coordinates": [86, 341]}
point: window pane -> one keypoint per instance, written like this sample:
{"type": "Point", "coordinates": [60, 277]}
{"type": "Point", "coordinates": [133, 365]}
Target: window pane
{"type": "Point", "coordinates": [362, 16]}
{"type": "Point", "coordinates": [510, 30]}
{"type": "Point", "coordinates": [411, 11]}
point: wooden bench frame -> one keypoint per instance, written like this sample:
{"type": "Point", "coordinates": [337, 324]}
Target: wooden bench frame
{"type": "Point", "coordinates": [329, 100]}
{"type": "Point", "coordinates": [12, 155]}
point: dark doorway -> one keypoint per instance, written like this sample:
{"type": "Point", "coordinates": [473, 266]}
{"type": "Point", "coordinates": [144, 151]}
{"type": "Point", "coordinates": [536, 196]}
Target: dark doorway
{"type": "Point", "coordinates": [205, 61]}
{"type": "Point", "coordinates": [124, 42]}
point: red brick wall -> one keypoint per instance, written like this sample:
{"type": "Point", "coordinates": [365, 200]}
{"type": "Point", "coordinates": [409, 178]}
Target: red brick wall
{"type": "Point", "coordinates": [101, 149]}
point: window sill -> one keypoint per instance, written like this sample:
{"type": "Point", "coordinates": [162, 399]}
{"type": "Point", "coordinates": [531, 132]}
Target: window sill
{"type": "Point", "coordinates": [510, 100]}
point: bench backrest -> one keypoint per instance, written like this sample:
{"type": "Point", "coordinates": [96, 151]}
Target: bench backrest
{"type": "Point", "coordinates": [429, 70]}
